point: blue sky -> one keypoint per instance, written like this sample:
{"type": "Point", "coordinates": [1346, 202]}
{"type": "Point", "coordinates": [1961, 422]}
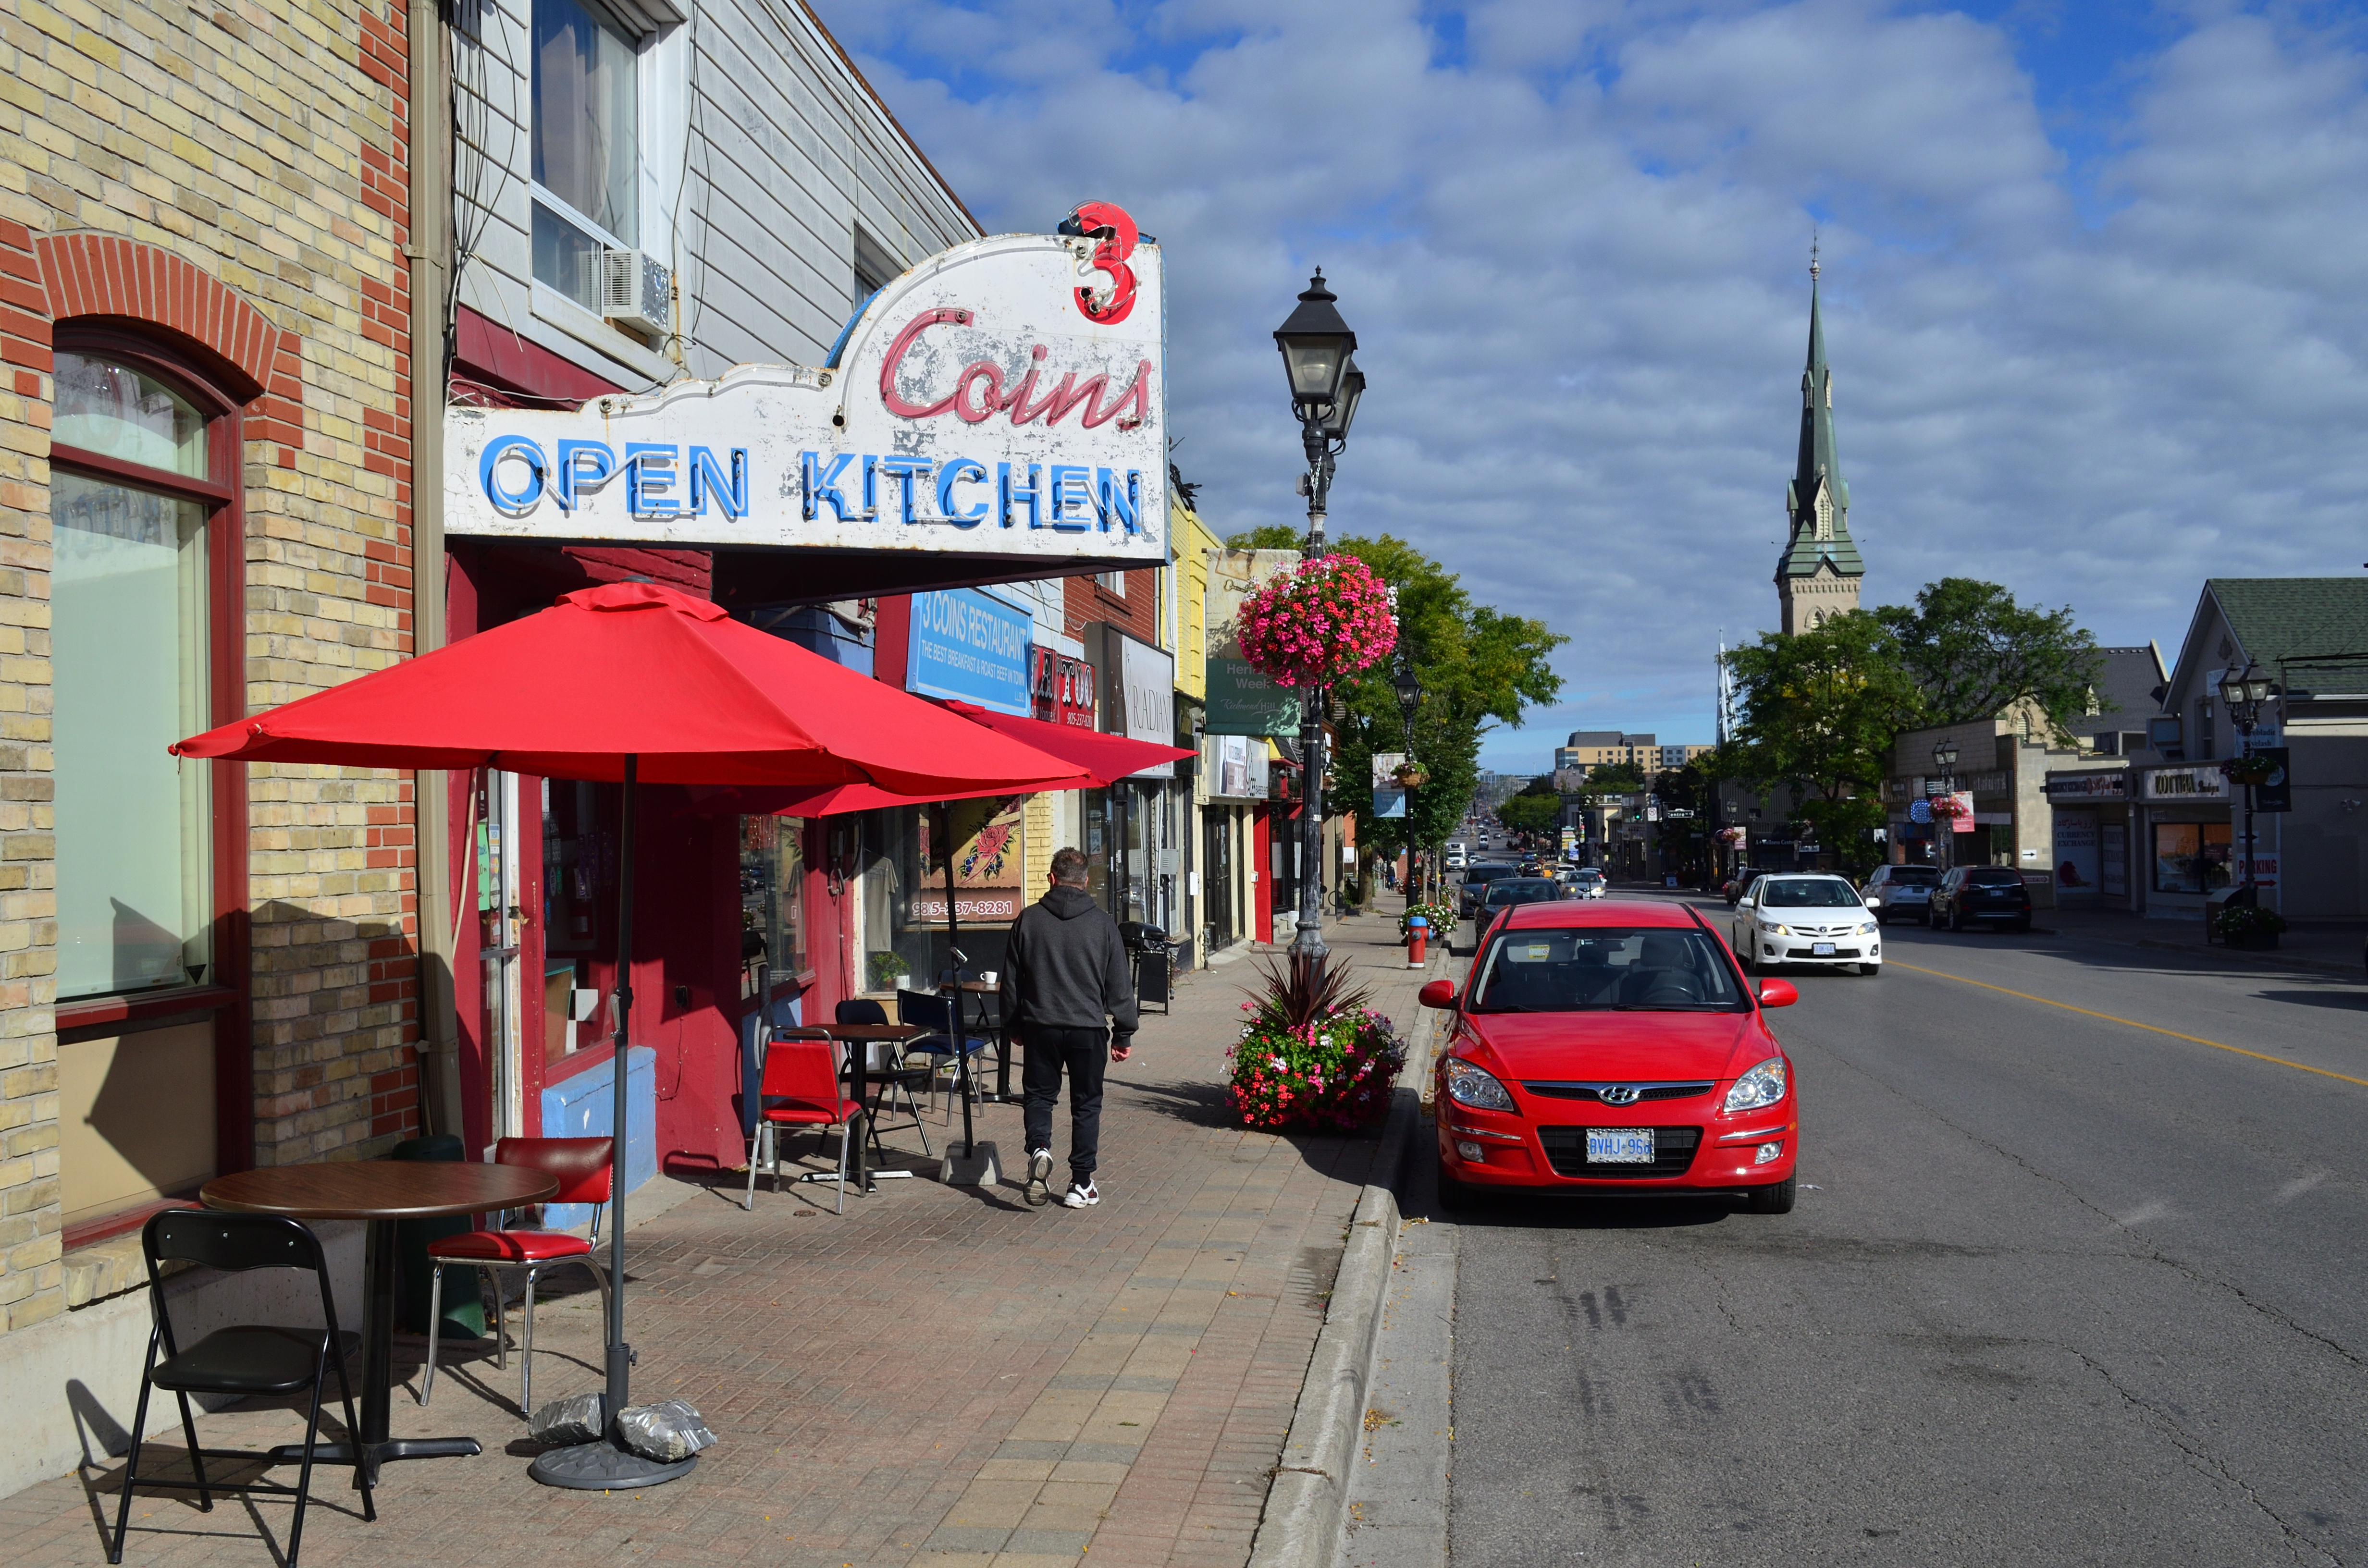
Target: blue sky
{"type": "Point", "coordinates": [2096, 282]}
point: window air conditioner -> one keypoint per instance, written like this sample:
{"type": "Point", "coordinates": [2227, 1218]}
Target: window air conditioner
{"type": "Point", "coordinates": [637, 290]}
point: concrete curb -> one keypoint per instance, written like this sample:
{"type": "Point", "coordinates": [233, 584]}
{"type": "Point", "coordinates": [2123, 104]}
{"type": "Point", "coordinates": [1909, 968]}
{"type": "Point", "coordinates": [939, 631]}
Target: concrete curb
{"type": "Point", "coordinates": [1304, 1508]}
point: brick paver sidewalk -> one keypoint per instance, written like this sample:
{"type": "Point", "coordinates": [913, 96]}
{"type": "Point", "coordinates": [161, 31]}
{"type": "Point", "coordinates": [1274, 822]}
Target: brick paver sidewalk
{"type": "Point", "coordinates": [945, 1377]}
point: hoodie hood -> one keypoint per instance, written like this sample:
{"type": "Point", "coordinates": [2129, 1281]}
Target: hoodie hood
{"type": "Point", "coordinates": [1068, 903]}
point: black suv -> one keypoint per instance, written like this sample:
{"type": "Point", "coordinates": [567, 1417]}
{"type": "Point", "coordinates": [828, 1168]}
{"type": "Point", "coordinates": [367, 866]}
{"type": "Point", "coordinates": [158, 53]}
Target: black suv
{"type": "Point", "coordinates": [1973, 894]}
{"type": "Point", "coordinates": [1477, 879]}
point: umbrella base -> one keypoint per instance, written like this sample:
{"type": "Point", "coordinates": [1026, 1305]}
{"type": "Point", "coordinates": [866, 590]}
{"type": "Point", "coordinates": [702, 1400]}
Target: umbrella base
{"type": "Point", "coordinates": [977, 1168]}
{"type": "Point", "coordinates": [604, 1467]}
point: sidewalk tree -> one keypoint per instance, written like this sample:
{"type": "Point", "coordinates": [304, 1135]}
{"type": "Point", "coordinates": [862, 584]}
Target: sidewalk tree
{"type": "Point", "coordinates": [1974, 654]}
{"type": "Point", "coordinates": [1536, 811]}
{"type": "Point", "coordinates": [1818, 712]}
{"type": "Point", "coordinates": [1479, 667]}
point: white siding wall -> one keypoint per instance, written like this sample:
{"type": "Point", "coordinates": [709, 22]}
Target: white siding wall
{"type": "Point", "coordinates": [762, 152]}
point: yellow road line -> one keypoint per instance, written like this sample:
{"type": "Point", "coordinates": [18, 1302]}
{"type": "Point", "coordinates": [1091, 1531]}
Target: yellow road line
{"type": "Point", "coordinates": [2132, 1023]}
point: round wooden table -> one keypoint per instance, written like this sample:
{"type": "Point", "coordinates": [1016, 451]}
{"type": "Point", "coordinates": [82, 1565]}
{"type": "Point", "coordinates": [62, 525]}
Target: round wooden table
{"type": "Point", "coordinates": [379, 1192]}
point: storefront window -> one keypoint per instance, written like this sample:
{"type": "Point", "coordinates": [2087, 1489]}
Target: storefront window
{"type": "Point", "coordinates": [772, 902]}
{"type": "Point", "coordinates": [128, 596]}
{"type": "Point", "coordinates": [903, 888]}
{"type": "Point", "coordinates": [2191, 856]}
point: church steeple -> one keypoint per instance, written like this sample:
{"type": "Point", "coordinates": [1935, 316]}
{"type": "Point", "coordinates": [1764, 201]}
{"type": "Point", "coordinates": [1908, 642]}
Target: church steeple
{"type": "Point", "coordinates": [1818, 576]}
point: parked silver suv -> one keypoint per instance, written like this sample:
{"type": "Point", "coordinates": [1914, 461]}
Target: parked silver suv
{"type": "Point", "coordinates": [1902, 891]}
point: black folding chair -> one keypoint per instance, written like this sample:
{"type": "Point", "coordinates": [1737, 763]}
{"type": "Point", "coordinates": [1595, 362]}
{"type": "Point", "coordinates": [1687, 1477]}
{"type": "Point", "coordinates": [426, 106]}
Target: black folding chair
{"type": "Point", "coordinates": [939, 1014]}
{"type": "Point", "coordinates": [886, 1081]}
{"type": "Point", "coordinates": [248, 1359]}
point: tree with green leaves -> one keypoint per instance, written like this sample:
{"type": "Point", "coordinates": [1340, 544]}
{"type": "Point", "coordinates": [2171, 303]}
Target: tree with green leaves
{"type": "Point", "coordinates": [1536, 810]}
{"type": "Point", "coordinates": [1974, 654]}
{"type": "Point", "coordinates": [1818, 712]}
{"type": "Point", "coordinates": [1614, 778]}
{"type": "Point", "coordinates": [1478, 667]}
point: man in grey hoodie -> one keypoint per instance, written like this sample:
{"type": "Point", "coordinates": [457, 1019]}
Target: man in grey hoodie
{"type": "Point", "coordinates": [1067, 982]}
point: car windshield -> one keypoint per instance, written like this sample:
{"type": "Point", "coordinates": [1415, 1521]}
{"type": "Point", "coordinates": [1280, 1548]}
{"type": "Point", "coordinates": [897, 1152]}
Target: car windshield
{"type": "Point", "coordinates": [1913, 876]}
{"type": "Point", "coordinates": [1606, 969]}
{"type": "Point", "coordinates": [1805, 892]}
{"type": "Point", "coordinates": [1474, 874]}
{"type": "Point", "coordinates": [1522, 890]}
{"type": "Point", "coordinates": [1997, 875]}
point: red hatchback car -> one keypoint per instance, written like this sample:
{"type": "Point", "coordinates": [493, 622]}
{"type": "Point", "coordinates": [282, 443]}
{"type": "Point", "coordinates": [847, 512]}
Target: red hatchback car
{"type": "Point", "coordinates": [1613, 1048]}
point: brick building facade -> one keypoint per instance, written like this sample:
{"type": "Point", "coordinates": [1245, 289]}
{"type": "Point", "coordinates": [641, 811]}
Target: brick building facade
{"type": "Point", "coordinates": [204, 323]}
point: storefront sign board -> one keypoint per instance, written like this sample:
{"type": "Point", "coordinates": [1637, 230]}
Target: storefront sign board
{"type": "Point", "coordinates": [1005, 397]}
{"type": "Point", "coordinates": [971, 646]}
{"type": "Point", "coordinates": [2078, 868]}
{"type": "Point", "coordinates": [2114, 786]}
{"type": "Point", "coordinates": [1063, 688]}
{"type": "Point", "coordinates": [1241, 701]}
{"type": "Point", "coordinates": [2203, 782]}
{"type": "Point", "coordinates": [1139, 700]}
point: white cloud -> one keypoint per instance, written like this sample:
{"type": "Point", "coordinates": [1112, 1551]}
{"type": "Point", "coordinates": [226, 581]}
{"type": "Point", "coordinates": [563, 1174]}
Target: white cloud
{"type": "Point", "coordinates": [1571, 239]}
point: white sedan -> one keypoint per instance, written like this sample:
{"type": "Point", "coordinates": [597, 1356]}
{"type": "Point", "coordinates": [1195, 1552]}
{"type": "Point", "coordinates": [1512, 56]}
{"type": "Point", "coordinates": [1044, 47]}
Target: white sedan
{"type": "Point", "coordinates": [1809, 918]}
{"type": "Point", "coordinates": [1588, 883]}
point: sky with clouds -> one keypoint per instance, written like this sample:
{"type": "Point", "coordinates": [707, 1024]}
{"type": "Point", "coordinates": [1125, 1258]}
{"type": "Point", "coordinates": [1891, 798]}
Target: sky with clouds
{"type": "Point", "coordinates": [2096, 283]}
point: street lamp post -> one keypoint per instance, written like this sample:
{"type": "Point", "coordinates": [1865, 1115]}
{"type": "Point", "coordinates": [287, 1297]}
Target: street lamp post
{"type": "Point", "coordinates": [1409, 690]}
{"type": "Point", "coordinates": [1318, 356]}
{"type": "Point", "coordinates": [1944, 762]}
{"type": "Point", "coordinates": [2245, 692]}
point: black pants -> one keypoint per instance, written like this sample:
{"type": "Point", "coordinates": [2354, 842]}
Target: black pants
{"type": "Point", "coordinates": [1084, 1052]}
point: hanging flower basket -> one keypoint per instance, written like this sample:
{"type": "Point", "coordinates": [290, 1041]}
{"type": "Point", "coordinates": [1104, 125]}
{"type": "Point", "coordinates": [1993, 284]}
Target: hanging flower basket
{"type": "Point", "coordinates": [2248, 769]}
{"type": "Point", "coordinates": [1322, 624]}
{"type": "Point", "coordinates": [1410, 774]}
{"type": "Point", "coordinates": [1730, 834]}
{"type": "Point", "coordinates": [1948, 808]}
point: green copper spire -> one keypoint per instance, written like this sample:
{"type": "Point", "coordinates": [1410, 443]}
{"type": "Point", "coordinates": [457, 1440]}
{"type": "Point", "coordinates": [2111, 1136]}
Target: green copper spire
{"type": "Point", "coordinates": [1818, 501]}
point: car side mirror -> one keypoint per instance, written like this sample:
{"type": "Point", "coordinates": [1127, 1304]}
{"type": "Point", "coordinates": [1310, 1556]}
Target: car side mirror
{"type": "Point", "coordinates": [1772, 992]}
{"type": "Point", "coordinates": [1438, 994]}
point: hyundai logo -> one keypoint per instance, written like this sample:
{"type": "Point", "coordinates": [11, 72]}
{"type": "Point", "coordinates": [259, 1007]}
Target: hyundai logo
{"type": "Point", "coordinates": [1620, 1094]}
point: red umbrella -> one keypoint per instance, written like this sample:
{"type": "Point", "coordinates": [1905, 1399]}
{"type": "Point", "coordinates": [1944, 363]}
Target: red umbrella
{"type": "Point", "coordinates": [620, 683]}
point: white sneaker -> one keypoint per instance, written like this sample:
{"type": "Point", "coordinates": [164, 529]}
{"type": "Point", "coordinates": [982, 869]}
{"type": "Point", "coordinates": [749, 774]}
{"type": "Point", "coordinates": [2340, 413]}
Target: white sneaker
{"type": "Point", "coordinates": [1081, 1195]}
{"type": "Point", "coordinates": [1040, 1168]}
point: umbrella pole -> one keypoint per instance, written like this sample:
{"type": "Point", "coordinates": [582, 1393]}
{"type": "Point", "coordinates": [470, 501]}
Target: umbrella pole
{"type": "Point", "coordinates": [605, 1463]}
{"type": "Point", "coordinates": [958, 1039]}
{"type": "Point", "coordinates": [620, 1354]}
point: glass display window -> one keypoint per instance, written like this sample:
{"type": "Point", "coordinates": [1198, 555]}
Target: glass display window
{"type": "Point", "coordinates": [772, 902]}
{"type": "Point", "coordinates": [2191, 856]}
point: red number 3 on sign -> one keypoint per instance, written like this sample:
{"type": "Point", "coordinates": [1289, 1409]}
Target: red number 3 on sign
{"type": "Point", "coordinates": [1116, 231]}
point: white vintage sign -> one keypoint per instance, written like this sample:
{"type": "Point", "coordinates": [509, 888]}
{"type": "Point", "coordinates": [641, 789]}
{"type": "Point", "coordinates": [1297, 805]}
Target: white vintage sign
{"type": "Point", "coordinates": [1005, 397]}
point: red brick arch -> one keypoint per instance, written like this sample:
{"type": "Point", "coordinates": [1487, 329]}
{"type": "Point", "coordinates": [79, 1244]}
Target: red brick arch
{"type": "Point", "coordinates": [102, 275]}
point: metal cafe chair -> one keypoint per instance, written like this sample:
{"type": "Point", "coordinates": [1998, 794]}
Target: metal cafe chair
{"type": "Point", "coordinates": [248, 1359]}
{"type": "Point", "coordinates": [586, 1169]}
{"type": "Point", "coordinates": [800, 1088]}
{"type": "Point", "coordinates": [939, 1013]}
{"type": "Point", "coordinates": [897, 1078]}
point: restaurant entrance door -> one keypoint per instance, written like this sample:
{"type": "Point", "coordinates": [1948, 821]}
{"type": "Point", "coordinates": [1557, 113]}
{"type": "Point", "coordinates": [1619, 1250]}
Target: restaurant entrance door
{"type": "Point", "coordinates": [501, 928]}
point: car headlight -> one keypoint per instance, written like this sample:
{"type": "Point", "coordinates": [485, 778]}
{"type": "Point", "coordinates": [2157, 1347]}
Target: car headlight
{"type": "Point", "coordinates": [1764, 1085]}
{"type": "Point", "coordinates": [1866, 928]}
{"type": "Point", "coordinates": [1467, 1085]}
{"type": "Point", "coordinates": [1775, 930]}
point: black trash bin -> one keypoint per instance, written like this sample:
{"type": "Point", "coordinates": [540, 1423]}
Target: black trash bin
{"type": "Point", "coordinates": [1147, 946]}
{"type": "Point", "coordinates": [464, 1313]}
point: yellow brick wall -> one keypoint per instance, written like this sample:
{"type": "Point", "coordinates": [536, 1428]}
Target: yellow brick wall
{"type": "Point", "coordinates": [260, 141]}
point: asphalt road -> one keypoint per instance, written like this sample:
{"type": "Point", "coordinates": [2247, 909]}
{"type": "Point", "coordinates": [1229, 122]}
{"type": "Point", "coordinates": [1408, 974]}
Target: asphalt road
{"type": "Point", "coordinates": [2058, 1289]}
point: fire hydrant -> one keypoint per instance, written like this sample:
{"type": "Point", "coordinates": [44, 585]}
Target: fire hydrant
{"type": "Point", "coordinates": [1418, 935]}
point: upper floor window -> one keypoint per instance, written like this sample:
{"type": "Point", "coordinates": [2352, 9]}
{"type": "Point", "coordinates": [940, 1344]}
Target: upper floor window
{"type": "Point", "coordinates": [587, 142]}
{"type": "Point", "coordinates": [140, 475]}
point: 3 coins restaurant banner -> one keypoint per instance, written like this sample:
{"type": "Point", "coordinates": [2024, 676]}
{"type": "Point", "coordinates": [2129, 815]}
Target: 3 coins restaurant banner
{"type": "Point", "coordinates": [1003, 398]}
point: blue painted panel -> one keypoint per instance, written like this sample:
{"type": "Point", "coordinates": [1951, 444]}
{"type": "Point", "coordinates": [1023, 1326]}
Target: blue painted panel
{"type": "Point", "coordinates": [785, 1014]}
{"type": "Point", "coordinates": [582, 1107]}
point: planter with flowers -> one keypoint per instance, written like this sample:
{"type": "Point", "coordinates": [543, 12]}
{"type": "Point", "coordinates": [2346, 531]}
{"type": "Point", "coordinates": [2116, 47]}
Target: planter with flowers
{"type": "Point", "coordinates": [2252, 768]}
{"type": "Point", "coordinates": [1319, 623]}
{"type": "Point", "coordinates": [1948, 809]}
{"type": "Point", "coordinates": [1410, 774]}
{"type": "Point", "coordinates": [2249, 927]}
{"type": "Point", "coordinates": [1313, 1056]}
{"type": "Point", "coordinates": [1441, 916]}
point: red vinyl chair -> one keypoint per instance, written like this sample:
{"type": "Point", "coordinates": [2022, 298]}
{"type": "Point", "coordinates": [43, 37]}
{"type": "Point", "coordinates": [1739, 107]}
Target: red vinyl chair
{"type": "Point", "coordinates": [586, 1169]}
{"type": "Point", "coordinates": [800, 1088]}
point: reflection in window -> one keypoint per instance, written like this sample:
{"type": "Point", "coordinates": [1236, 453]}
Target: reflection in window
{"type": "Point", "coordinates": [586, 114]}
{"type": "Point", "coordinates": [117, 412]}
{"type": "Point", "coordinates": [2191, 856]}
{"type": "Point", "coordinates": [129, 645]}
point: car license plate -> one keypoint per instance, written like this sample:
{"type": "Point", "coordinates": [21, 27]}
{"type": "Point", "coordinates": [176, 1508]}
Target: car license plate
{"type": "Point", "coordinates": [1821, 950]}
{"type": "Point", "coordinates": [1619, 1145]}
